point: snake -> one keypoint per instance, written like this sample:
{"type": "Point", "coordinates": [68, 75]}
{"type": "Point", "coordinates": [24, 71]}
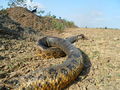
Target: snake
{"type": "Point", "coordinates": [46, 52]}
{"type": "Point", "coordinates": [58, 76]}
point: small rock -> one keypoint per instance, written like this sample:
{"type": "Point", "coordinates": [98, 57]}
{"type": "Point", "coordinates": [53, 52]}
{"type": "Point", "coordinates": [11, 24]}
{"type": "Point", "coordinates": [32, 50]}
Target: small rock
{"type": "Point", "coordinates": [115, 38]}
{"type": "Point", "coordinates": [91, 40]}
{"type": "Point", "coordinates": [108, 61]}
{"type": "Point", "coordinates": [2, 58]}
{"type": "Point", "coordinates": [95, 67]}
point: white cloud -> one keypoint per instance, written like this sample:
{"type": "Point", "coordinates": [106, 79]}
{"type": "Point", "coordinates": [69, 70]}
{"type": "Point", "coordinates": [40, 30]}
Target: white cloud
{"type": "Point", "coordinates": [90, 19]}
{"type": "Point", "coordinates": [33, 4]}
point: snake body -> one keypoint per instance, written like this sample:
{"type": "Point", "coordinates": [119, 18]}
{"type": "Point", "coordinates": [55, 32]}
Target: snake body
{"type": "Point", "coordinates": [58, 76]}
{"type": "Point", "coordinates": [46, 52]}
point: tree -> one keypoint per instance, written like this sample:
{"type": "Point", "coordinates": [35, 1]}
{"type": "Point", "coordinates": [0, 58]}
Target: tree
{"type": "Point", "coordinates": [105, 27]}
{"type": "Point", "coordinates": [40, 12]}
{"type": "Point", "coordinates": [15, 3]}
{"type": "Point", "coordinates": [29, 4]}
{"type": "Point", "coordinates": [1, 7]}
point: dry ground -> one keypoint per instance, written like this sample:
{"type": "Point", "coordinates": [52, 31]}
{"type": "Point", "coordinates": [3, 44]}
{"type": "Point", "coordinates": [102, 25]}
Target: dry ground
{"type": "Point", "coordinates": [18, 57]}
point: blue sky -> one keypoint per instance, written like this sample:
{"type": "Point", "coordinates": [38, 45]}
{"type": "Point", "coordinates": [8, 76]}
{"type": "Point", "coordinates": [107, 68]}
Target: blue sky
{"type": "Point", "coordinates": [90, 13]}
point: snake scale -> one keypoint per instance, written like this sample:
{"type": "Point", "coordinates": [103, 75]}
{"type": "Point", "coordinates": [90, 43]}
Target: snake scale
{"type": "Point", "coordinates": [58, 76]}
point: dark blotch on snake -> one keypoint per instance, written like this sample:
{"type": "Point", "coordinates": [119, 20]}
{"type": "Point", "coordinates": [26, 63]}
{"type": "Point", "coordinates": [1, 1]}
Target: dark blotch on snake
{"type": "Point", "coordinates": [40, 85]}
{"type": "Point", "coordinates": [41, 77]}
{"type": "Point", "coordinates": [31, 77]}
{"type": "Point", "coordinates": [71, 67]}
{"type": "Point", "coordinates": [48, 84]}
{"type": "Point", "coordinates": [74, 61]}
{"type": "Point", "coordinates": [64, 71]}
{"type": "Point", "coordinates": [53, 73]}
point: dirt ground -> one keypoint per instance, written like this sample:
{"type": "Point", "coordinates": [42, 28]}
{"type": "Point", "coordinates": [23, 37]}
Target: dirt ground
{"type": "Point", "coordinates": [18, 57]}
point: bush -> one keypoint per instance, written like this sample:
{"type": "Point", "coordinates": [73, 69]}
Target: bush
{"type": "Point", "coordinates": [58, 25]}
{"type": "Point", "coordinates": [105, 27]}
{"type": "Point", "coordinates": [68, 24]}
{"type": "Point", "coordinates": [3, 12]}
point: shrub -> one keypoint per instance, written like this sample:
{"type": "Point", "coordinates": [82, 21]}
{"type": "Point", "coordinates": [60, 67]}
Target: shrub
{"type": "Point", "coordinates": [57, 25]}
{"type": "Point", "coordinates": [105, 27]}
{"type": "Point", "coordinates": [3, 12]}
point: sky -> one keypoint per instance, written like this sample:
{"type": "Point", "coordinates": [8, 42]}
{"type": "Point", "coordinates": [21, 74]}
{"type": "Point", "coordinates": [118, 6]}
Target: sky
{"type": "Point", "coordinates": [90, 13]}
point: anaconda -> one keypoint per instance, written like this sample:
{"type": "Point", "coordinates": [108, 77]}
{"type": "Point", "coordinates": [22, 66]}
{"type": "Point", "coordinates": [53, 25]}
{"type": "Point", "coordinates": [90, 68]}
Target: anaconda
{"type": "Point", "coordinates": [53, 52]}
{"type": "Point", "coordinates": [58, 76]}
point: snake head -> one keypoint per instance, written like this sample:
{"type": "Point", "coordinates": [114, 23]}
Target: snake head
{"type": "Point", "coordinates": [82, 36]}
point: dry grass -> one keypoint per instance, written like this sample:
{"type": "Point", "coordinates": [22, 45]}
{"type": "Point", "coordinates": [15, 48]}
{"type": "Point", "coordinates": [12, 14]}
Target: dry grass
{"type": "Point", "coordinates": [102, 48]}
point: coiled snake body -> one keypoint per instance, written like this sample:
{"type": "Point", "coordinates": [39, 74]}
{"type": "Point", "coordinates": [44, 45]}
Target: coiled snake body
{"type": "Point", "coordinates": [58, 76]}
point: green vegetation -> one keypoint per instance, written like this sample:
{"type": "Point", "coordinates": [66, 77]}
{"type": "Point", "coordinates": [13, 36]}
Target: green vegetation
{"type": "Point", "coordinates": [57, 25]}
{"type": "Point", "coordinates": [14, 3]}
{"type": "Point", "coordinates": [3, 12]}
{"type": "Point", "coordinates": [60, 24]}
